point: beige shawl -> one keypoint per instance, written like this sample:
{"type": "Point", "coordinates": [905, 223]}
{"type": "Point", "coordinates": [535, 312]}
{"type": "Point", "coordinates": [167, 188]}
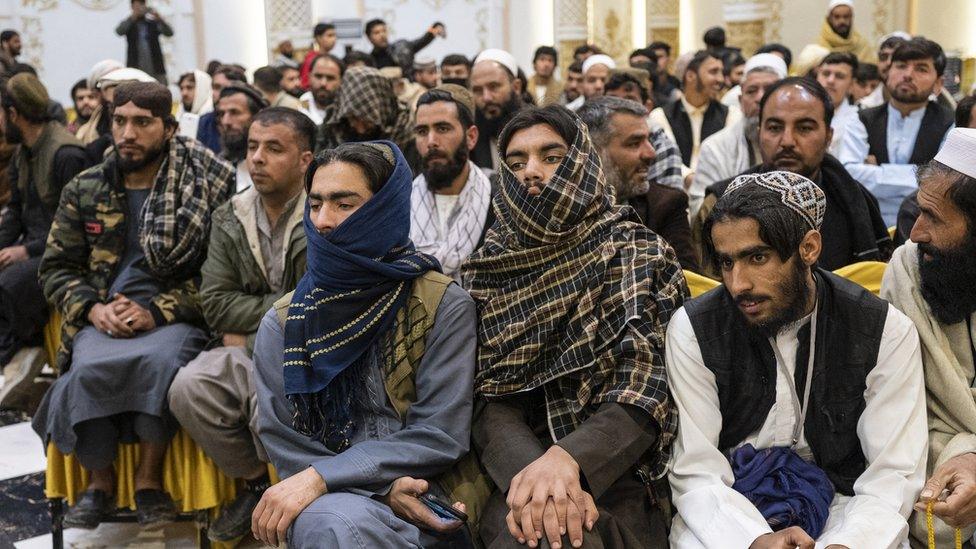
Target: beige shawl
{"type": "Point", "coordinates": [948, 363]}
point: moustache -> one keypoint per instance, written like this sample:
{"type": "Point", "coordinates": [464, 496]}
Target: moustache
{"type": "Point", "coordinates": [786, 155]}
{"type": "Point", "coordinates": [751, 298]}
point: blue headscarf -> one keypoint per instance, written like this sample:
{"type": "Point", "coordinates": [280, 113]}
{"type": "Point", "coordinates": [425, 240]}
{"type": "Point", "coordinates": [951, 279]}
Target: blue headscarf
{"type": "Point", "coordinates": [785, 488]}
{"type": "Point", "coordinates": [358, 277]}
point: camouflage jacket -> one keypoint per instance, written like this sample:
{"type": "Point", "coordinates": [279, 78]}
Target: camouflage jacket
{"type": "Point", "coordinates": [84, 249]}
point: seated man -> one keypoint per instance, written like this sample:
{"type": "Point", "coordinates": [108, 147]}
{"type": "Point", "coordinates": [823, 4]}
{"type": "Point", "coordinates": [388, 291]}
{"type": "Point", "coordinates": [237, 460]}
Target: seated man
{"type": "Point", "coordinates": [450, 205]}
{"type": "Point", "coordinates": [573, 296]}
{"type": "Point", "coordinates": [620, 137]}
{"type": "Point", "coordinates": [794, 135]}
{"type": "Point", "coordinates": [236, 106]}
{"type": "Point", "coordinates": [596, 72]}
{"type": "Point", "coordinates": [121, 261]}
{"type": "Point", "coordinates": [256, 255]}
{"type": "Point", "coordinates": [365, 374]}
{"type": "Point", "coordinates": [800, 393]}
{"type": "Point", "coordinates": [930, 279]}
{"type": "Point", "coordinates": [45, 159]}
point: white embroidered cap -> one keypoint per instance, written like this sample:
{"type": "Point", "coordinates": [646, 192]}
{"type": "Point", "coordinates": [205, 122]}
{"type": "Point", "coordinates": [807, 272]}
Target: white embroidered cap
{"type": "Point", "coordinates": [501, 57]}
{"type": "Point", "coordinates": [795, 192]}
{"type": "Point", "coordinates": [959, 151]}
{"type": "Point", "coordinates": [598, 59]}
{"type": "Point", "coordinates": [770, 60]}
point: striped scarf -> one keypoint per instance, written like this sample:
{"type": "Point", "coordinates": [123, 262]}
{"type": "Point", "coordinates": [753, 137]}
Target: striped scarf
{"type": "Point", "coordinates": [359, 275]}
{"type": "Point", "coordinates": [574, 296]}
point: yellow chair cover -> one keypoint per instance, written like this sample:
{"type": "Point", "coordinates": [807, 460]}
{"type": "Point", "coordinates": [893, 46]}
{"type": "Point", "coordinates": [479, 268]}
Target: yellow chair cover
{"type": "Point", "coordinates": [866, 273]}
{"type": "Point", "coordinates": [699, 284]}
{"type": "Point", "coordinates": [189, 476]}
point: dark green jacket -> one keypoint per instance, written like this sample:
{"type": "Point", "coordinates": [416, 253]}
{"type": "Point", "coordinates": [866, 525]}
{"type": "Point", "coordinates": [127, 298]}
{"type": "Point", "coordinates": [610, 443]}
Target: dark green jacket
{"type": "Point", "coordinates": [234, 288]}
{"type": "Point", "coordinates": [84, 248]}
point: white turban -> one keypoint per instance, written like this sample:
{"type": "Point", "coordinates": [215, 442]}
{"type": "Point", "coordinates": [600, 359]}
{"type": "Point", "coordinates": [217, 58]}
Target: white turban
{"type": "Point", "coordinates": [501, 57]}
{"type": "Point", "coordinates": [767, 60]}
{"type": "Point", "coordinates": [598, 59]}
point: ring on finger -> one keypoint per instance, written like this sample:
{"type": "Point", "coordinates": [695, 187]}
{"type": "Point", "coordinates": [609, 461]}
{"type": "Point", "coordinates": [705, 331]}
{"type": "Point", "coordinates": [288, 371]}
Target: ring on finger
{"type": "Point", "coordinates": [109, 332]}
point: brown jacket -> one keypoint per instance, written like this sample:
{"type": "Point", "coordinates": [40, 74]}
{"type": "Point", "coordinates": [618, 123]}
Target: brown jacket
{"type": "Point", "coordinates": [665, 211]}
{"type": "Point", "coordinates": [553, 90]}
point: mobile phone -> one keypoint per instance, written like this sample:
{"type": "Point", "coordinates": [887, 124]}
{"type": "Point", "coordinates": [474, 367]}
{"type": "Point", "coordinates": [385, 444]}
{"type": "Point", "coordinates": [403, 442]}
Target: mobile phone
{"type": "Point", "coordinates": [442, 509]}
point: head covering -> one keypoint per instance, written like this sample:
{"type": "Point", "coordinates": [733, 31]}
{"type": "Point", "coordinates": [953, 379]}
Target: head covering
{"type": "Point", "coordinates": [125, 74]}
{"type": "Point", "coordinates": [501, 57]}
{"type": "Point", "coordinates": [100, 69]}
{"type": "Point", "coordinates": [393, 73]}
{"type": "Point", "coordinates": [810, 56]}
{"type": "Point", "coordinates": [358, 277]}
{"type": "Point", "coordinates": [202, 98]}
{"type": "Point", "coordinates": [461, 95]}
{"type": "Point", "coordinates": [568, 287]}
{"type": "Point", "coordinates": [835, 3]}
{"type": "Point", "coordinates": [424, 62]}
{"type": "Point", "coordinates": [368, 95]}
{"type": "Point", "coordinates": [770, 60]}
{"type": "Point", "coordinates": [796, 193]}
{"type": "Point", "coordinates": [959, 151]}
{"type": "Point", "coordinates": [896, 34]}
{"type": "Point", "coordinates": [29, 95]}
{"type": "Point", "coordinates": [598, 59]}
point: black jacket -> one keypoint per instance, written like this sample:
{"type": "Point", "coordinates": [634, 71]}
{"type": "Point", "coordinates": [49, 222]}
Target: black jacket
{"type": "Point", "coordinates": [935, 123]}
{"type": "Point", "coordinates": [154, 27]}
{"type": "Point", "coordinates": [714, 121]}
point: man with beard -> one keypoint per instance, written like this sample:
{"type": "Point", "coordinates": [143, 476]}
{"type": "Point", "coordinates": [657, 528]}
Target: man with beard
{"type": "Point", "coordinates": [46, 159]}
{"type": "Point", "coordinates": [256, 255]}
{"type": "Point", "coordinates": [621, 138]}
{"type": "Point", "coordinates": [575, 422]}
{"type": "Point", "coordinates": [836, 75]}
{"type": "Point", "coordinates": [794, 134]}
{"type": "Point", "coordinates": [697, 114]}
{"type": "Point", "coordinates": [456, 69]}
{"type": "Point", "coordinates": [208, 132]}
{"type": "Point", "coordinates": [450, 205]}
{"type": "Point", "coordinates": [236, 107]}
{"type": "Point", "coordinates": [498, 96]}
{"type": "Point", "coordinates": [574, 80]}
{"type": "Point", "coordinates": [889, 43]}
{"type": "Point", "coordinates": [885, 145]}
{"type": "Point", "coordinates": [402, 52]}
{"type": "Point", "coordinates": [85, 100]}
{"type": "Point", "coordinates": [596, 72]}
{"type": "Point", "coordinates": [735, 148]}
{"type": "Point", "coordinates": [324, 78]}
{"type": "Point", "coordinates": [366, 109]}
{"type": "Point", "coordinates": [196, 100]}
{"type": "Point", "coordinates": [291, 81]}
{"type": "Point", "coordinates": [543, 84]}
{"type": "Point", "coordinates": [98, 123]}
{"type": "Point", "coordinates": [800, 393]}
{"type": "Point", "coordinates": [122, 264]}
{"type": "Point", "coordinates": [10, 47]}
{"type": "Point", "coordinates": [930, 279]}
{"type": "Point", "coordinates": [425, 72]}
{"type": "Point", "coordinates": [268, 81]}
{"type": "Point", "coordinates": [838, 34]}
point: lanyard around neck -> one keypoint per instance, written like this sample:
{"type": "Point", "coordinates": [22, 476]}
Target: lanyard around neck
{"type": "Point", "coordinates": [801, 413]}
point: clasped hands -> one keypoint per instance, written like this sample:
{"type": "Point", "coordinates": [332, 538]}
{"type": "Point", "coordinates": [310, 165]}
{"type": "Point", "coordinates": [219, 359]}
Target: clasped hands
{"type": "Point", "coordinates": [121, 317]}
{"type": "Point", "coordinates": [546, 500]}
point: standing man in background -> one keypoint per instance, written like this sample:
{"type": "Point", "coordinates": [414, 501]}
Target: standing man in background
{"type": "Point", "coordinates": [141, 31]}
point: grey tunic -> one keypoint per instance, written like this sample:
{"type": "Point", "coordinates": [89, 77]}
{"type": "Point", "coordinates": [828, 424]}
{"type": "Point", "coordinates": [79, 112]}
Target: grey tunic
{"type": "Point", "coordinates": [434, 436]}
{"type": "Point", "coordinates": [110, 376]}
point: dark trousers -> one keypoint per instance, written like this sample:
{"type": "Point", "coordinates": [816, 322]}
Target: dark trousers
{"type": "Point", "coordinates": [23, 309]}
{"type": "Point", "coordinates": [628, 520]}
{"type": "Point", "coordinates": [98, 439]}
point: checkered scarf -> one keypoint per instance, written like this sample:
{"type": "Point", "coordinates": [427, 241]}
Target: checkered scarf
{"type": "Point", "coordinates": [191, 183]}
{"type": "Point", "coordinates": [574, 296]}
{"type": "Point", "coordinates": [465, 223]}
{"type": "Point", "coordinates": [368, 95]}
{"type": "Point", "coordinates": [666, 168]}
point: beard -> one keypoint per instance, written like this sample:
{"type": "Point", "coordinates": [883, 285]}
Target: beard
{"type": "Point", "coordinates": [234, 145]}
{"type": "Point", "coordinates": [440, 176]}
{"type": "Point", "coordinates": [947, 280]}
{"type": "Point", "coordinates": [793, 291]}
{"type": "Point", "coordinates": [375, 133]}
{"type": "Point", "coordinates": [752, 129]}
{"type": "Point", "coordinates": [13, 135]}
{"type": "Point", "coordinates": [491, 127]}
{"type": "Point", "coordinates": [910, 97]}
{"type": "Point", "coordinates": [842, 30]}
{"type": "Point", "coordinates": [296, 93]}
{"type": "Point", "coordinates": [323, 97]}
{"type": "Point", "coordinates": [129, 165]}
{"type": "Point", "coordinates": [624, 187]}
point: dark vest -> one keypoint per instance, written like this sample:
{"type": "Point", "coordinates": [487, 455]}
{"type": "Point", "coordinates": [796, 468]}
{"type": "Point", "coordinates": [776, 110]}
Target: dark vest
{"type": "Point", "coordinates": [714, 120]}
{"type": "Point", "coordinates": [935, 123]}
{"type": "Point", "coordinates": [850, 318]}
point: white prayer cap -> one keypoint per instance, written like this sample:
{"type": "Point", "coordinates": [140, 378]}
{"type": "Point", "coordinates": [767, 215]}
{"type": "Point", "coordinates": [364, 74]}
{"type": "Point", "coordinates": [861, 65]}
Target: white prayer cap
{"type": "Point", "coordinates": [125, 74]}
{"type": "Point", "coordinates": [897, 34]}
{"type": "Point", "coordinates": [810, 57]}
{"type": "Point", "coordinates": [834, 3]}
{"type": "Point", "coordinates": [100, 69]}
{"type": "Point", "coordinates": [769, 60]}
{"type": "Point", "coordinates": [959, 151]}
{"type": "Point", "coordinates": [424, 62]}
{"type": "Point", "coordinates": [501, 57]}
{"type": "Point", "coordinates": [598, 59]}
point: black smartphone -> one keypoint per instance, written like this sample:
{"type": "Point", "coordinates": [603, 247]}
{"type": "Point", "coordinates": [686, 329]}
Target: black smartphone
{"type": "Point", "coordinates": [442, 509]}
